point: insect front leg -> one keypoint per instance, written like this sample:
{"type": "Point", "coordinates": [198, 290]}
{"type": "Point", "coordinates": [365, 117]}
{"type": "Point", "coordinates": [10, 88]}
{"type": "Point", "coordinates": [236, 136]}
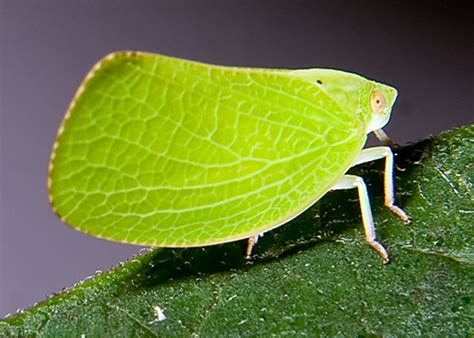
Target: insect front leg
{"type": "Point", "coordinates": [383, 137]}
{"type": "Point", "coordinates": [350, 182]}
{"type": "Point", "coordinates": [375, 153]}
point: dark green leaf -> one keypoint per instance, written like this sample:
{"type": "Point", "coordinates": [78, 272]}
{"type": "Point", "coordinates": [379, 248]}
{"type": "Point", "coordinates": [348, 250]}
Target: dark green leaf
{"type": "Point", "coordinates": [314, 276]}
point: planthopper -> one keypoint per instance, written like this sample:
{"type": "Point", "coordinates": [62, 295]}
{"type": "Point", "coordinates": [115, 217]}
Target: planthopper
{"type": "Point", "coordinates": [165, 152]}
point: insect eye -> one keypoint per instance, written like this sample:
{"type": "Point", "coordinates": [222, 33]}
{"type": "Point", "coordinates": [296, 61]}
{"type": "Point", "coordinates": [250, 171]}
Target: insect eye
{"type": "Point", "coordinates": [378, 102]}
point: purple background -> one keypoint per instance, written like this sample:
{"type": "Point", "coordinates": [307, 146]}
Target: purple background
{"type": "Point", "coordinates": [425, 50]}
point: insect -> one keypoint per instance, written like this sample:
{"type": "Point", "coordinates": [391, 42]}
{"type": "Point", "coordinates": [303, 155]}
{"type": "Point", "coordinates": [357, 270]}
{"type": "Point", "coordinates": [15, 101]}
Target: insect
{"type": "Point", "coordinates": [165, 152]}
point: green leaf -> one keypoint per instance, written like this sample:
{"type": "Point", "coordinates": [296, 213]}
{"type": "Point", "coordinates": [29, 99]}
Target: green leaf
{"type": "Point", "coordinates": [314, 276]}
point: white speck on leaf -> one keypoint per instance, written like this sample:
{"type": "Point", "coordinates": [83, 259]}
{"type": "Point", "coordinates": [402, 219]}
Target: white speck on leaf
{"type": "Point", "coordinates": [160, 316]}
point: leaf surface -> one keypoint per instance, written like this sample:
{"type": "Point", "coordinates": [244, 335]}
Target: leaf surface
{"type": "Point", "coordinates": [313, 276]}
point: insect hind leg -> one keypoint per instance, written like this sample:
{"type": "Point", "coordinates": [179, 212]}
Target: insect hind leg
{"type": "Point", "coordinates": [350, 182]}
{"type": "Point", "coordinates": [250, 244]}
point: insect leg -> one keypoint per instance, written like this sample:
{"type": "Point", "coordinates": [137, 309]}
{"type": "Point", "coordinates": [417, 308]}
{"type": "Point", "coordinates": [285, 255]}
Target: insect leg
{"type": "Point", "coordinates": [350, 182]}
{"type": "Point", "coordinates": [375, 153]}
{"type": "Point", "coordinates": [383, 137]}
{"type": "Point", "coordinates": [250, 244]}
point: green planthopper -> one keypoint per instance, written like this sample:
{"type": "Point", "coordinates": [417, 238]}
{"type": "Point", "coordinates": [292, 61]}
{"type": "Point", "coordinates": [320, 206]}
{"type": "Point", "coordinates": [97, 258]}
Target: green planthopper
{"type": "Point", "coordinates": [165, 152]}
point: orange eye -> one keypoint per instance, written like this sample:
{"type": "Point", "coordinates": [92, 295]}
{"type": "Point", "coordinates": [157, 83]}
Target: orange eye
{"type": "Point", "coordinates": [378, 102]}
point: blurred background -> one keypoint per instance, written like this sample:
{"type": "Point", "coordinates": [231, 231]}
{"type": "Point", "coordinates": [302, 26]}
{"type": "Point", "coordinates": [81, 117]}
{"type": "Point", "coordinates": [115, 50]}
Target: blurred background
{"type": "Point", "coordinates": [425, 49]}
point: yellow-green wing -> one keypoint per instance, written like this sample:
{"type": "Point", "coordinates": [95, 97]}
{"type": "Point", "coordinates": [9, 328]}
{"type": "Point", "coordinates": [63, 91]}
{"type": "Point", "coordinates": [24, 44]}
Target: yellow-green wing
{"type": "Point", "coordinates": [166, 152]}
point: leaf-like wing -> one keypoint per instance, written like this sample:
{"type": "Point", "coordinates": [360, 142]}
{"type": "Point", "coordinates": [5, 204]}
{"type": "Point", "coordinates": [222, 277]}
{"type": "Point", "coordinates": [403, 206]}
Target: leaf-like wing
{"type": "Point", "coordinates": [166, 152]}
